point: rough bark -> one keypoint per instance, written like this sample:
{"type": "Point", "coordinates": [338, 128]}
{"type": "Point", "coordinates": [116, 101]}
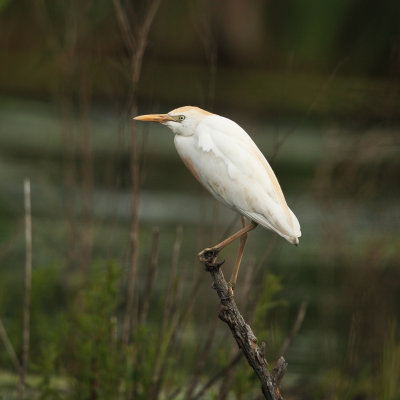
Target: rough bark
{"type": "Point", "coordinates": [243, 334]}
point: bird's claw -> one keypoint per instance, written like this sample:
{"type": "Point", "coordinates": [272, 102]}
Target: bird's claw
{"type": "Point", "coordinates": [208, 255]}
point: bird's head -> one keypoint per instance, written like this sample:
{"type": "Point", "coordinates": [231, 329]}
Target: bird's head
{"type": "Point", "coordinates": [182, 121]}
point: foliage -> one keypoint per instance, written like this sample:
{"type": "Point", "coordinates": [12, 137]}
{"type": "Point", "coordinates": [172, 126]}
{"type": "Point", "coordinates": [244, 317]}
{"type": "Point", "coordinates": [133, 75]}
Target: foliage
{"type": "Point", "coordinates": [267, 301]}
{"type": "Point", "coordinates": [388, 385]}
{"type": "Point", "coordinates": [89, 348]}
{"type": "Point", "coordinates": [4, 4]}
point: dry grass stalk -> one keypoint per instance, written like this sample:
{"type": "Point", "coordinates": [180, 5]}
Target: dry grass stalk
{"type": "Point", "coordinates": [207, 37]}
{"type": "Point", "coordinates": [9, 348]}
{"type": "Point", "coordinates": [64, 40]}
{"type": "Point", "coordinates": [295, 329]}
{"type": "Point", "coordinates": [171, 293]}
{"type": "Point", "coordinates": [220, 374]}
{"type": "Point", "coordinates": [171, 318]}
{"type": "Point", "coordinates": [150, 276]}
{"type": "Point", "coordinates": [174, 329]}
{"type": "Point", "coordinates": [131, 308]}
{"type": "Point", "coordinates": [86, 149]}
{"type": "Point", "coordinates": [27, 287]}
{"type": "Point", "coordinates": [135, 41]}
{"type": "Point", "coordinates": [201, 359]}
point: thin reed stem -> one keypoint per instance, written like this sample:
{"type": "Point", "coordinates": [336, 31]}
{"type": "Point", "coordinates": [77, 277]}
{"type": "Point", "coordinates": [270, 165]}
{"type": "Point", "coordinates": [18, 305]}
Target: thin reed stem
{"type": "Point", "coordinates": [27, 288]}
{"type": "Point", "coordinates": [151, 275]}
{"type": "Point", "coordinates": [135, 41]}
{"type": "Point", "coordinates": [9, 348]}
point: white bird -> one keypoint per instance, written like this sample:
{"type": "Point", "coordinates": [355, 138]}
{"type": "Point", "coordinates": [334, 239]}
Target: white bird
{"type": "Point", "coordinates": [226, 161]}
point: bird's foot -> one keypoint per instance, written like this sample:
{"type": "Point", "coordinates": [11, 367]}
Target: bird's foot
{"type": "Point", "coordinates": [209, 257]}
{"type": "Point", "coordinates": [208, 254]}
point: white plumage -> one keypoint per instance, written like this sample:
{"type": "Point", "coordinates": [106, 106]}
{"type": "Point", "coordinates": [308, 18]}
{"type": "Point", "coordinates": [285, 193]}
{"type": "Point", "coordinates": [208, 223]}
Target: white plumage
{"type": "Point", "coordinates": [226, 161]}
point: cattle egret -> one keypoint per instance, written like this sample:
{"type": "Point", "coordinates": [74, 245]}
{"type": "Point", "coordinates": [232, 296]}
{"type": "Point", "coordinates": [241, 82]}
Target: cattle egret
{"type": "Point", "coordinates": [226, 161]}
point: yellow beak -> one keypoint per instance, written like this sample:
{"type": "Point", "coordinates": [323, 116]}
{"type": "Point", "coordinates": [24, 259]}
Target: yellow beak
{"type": "Point", "coordinates": [154, 118]}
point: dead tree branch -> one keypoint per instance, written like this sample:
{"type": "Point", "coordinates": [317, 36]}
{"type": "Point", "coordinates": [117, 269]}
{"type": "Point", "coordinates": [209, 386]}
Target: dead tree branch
{"type": "Point", "coordinates": [244, 336]}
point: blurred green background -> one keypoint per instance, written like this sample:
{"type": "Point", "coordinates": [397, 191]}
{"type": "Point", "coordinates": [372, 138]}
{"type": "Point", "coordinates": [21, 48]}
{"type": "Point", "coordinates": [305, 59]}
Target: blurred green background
{"type": "Point", "coordinates": [316, 84]}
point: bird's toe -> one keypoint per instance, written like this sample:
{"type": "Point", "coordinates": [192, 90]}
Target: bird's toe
{"type": "Point", "coordinates": [208, 254]}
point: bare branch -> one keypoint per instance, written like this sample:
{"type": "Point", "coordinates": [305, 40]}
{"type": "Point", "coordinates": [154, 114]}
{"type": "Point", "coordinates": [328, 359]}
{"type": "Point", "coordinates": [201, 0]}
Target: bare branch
{"type": "Point", "coordinates": [279, 371]}
{"type": "Point", "coordinates": [229, 373]}
{"type": "Point", "coordinates": [241, 331]}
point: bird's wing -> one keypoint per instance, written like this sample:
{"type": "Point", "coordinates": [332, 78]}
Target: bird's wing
{"type": "Point", "coordinates": [251, 186]}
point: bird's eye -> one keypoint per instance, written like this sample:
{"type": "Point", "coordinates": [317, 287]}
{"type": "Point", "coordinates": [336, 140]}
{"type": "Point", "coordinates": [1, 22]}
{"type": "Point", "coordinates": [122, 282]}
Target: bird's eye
{"type": "Point", "coordinates": [181, 117]}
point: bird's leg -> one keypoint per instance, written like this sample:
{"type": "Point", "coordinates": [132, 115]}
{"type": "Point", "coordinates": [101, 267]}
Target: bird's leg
{"type": "Point", "coordinates": [212, 252]}
{"type": "Point", "coordinates": [242, 245]}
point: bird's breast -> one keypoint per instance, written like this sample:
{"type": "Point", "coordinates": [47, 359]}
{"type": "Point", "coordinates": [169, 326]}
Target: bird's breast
{"type": "Point", "coordinates": [185, 148]}
{"type": "Point", "coordinates": [209, 169]}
